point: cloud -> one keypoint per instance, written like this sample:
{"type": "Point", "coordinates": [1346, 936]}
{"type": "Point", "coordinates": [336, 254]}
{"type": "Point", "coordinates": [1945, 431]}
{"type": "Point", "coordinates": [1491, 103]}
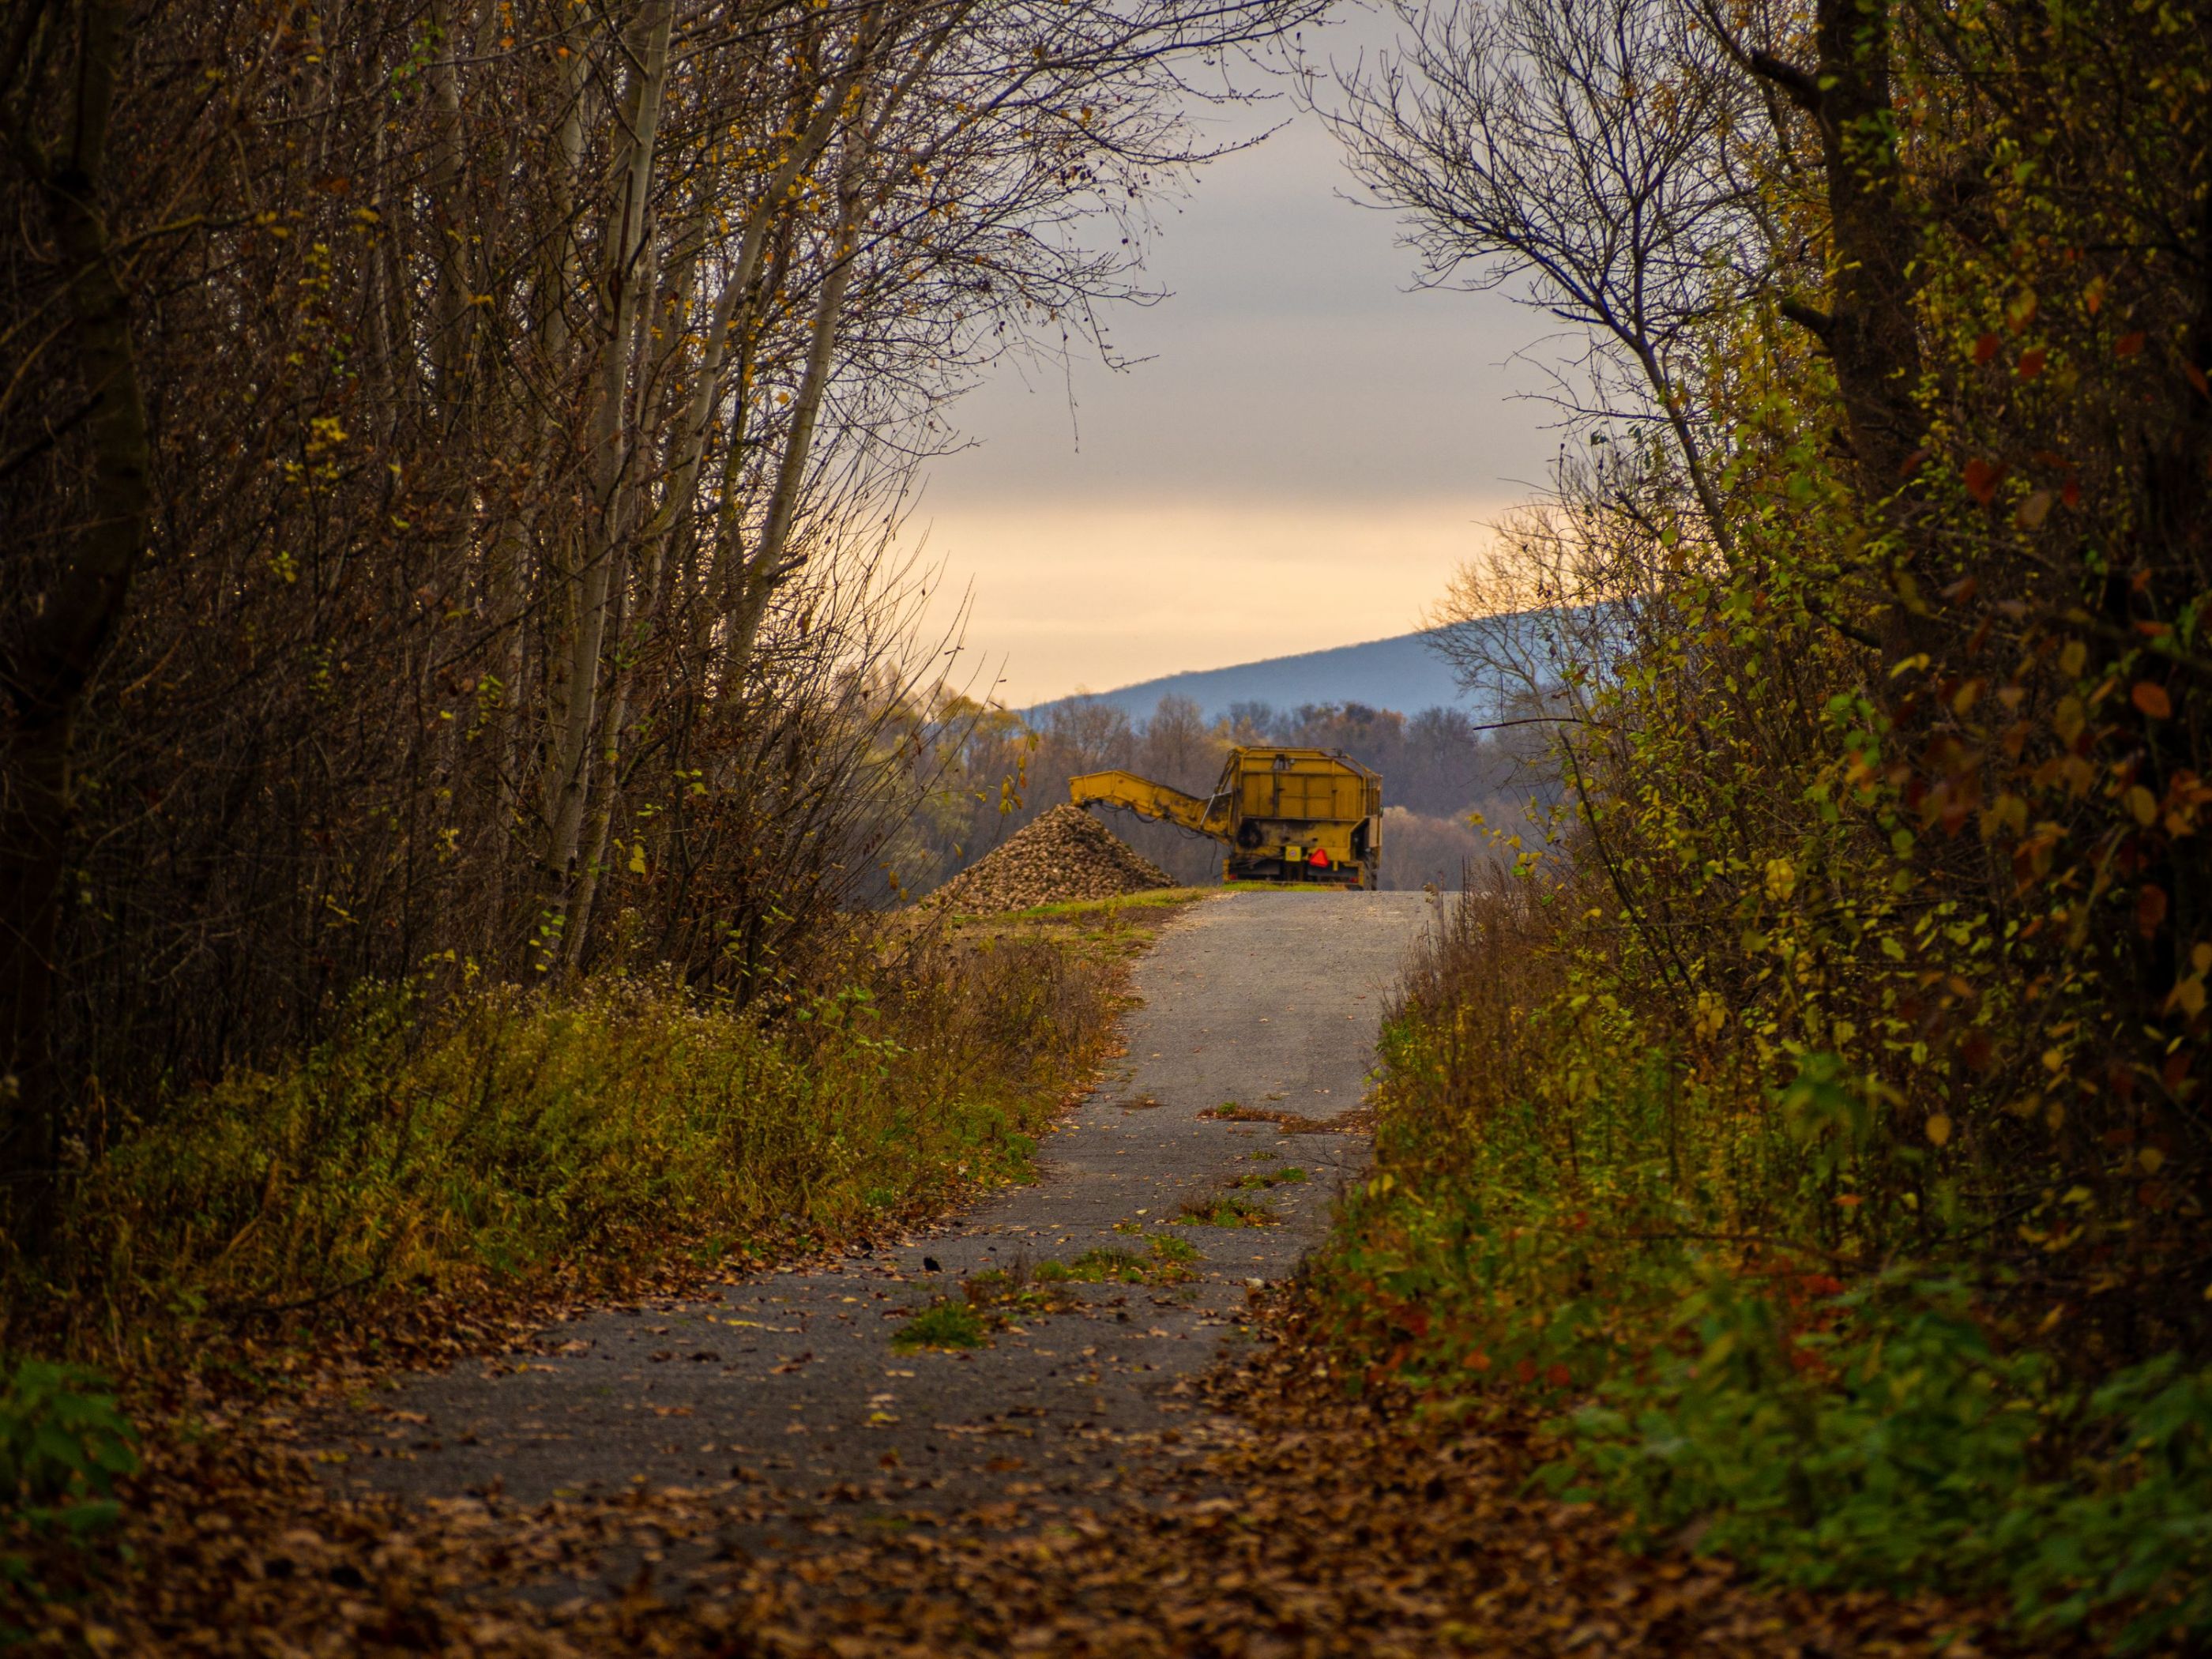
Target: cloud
{"type": "Point", "coordinates": [1094, 595]}
{"type": "Point", "coordinates": [1299, 462]}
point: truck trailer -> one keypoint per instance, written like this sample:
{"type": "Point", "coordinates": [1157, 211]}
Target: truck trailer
{"type": "Point", "coordinates": [1309, 815]}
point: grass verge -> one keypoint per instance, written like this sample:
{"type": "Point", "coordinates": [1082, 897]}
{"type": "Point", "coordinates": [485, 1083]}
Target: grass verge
{"type": "Point", "coordinates": [511, 1132]}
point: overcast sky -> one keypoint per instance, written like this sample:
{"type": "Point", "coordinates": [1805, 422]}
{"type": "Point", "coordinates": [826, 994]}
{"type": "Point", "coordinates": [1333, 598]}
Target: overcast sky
{"type": "Point", "coordinates": [1307, 450]}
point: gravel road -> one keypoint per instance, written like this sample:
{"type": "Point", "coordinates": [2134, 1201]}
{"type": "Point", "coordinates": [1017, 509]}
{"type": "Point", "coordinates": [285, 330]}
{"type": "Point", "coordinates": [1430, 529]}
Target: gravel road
{"type": "Point", "coordinates": [788, 1384]}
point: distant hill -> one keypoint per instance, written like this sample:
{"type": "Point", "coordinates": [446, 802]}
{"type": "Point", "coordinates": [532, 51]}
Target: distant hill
{"type": "Point", "coordinates": [1401, 673]}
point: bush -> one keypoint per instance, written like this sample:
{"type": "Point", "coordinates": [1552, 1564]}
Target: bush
{"type": "Point", "coordinates": [1557, 1206]}
{"type": "Point", "coordinates": [514, 1130]}
{"type": "Point", "coordinates": [62, 1442]}
{"type": "Point", "coordinates": [1900, 1448]}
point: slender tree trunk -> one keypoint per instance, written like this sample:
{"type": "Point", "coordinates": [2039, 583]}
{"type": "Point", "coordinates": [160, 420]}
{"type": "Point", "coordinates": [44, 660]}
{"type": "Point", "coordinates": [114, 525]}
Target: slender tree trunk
{"type": "Point", "coordinates": [772, 561]}
{"type": "Point", "coordinates": [46, 687]}
{"type": "Point", "coordinates": [1872, 331]}
{"type": "Point", "coordinates": [452, 343]}
{"type": "Point", "coordinates": [737, 287]}
{"type": "Point", "coordinates": [626, 276]}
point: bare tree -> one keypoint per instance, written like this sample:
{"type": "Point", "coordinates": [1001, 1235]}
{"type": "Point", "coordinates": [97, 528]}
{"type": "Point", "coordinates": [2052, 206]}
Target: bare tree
{"type": "Point", "coordinates": [1592, 147]}
{"type": "Point", "coordinates": [453, 468]}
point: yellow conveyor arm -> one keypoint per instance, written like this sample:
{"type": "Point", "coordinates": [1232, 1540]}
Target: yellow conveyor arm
{"type": "Point", "coordinates": [1156, 801]}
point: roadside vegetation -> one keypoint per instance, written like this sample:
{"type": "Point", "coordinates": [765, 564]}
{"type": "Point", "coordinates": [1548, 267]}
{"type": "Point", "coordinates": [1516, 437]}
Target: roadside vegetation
{"type": "Point", "coordinates": [524, 1130]}
{"type": "Point", "coordinates": [1807, 1123]}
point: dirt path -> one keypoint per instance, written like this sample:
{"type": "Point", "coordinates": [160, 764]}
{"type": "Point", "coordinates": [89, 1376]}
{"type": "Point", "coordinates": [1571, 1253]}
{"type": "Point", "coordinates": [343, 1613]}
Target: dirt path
{"type": "Point", "coordinates": [790, 1387]}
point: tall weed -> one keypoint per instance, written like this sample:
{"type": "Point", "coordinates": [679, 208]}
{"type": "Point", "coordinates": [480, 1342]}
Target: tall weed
{"type": "Point", "coordinates": [511, 1130]}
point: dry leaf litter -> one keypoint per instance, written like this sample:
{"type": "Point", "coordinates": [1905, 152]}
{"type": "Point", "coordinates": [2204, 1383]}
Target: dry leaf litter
{"type": "Point", "coordinates": [1313, 1524]}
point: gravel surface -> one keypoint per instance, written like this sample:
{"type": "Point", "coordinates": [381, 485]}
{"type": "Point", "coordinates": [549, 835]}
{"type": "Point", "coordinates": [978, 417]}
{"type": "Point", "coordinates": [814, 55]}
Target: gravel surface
{"type": "Point", "coordinates": [790, 1382]}
{"type": "Point", "coordinates": [1066, 854]}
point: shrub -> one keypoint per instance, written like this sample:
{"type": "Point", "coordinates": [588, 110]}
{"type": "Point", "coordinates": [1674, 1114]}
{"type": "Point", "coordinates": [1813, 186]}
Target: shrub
{"type": "Point", "coordinates": [511, 1131]}
{"type": "Point", "coordinates": [1902, 1447]}
{"type": "Point", "coordinates": [1557, 1206]}
{"type": "Point", "coordinates": [62, 1443]}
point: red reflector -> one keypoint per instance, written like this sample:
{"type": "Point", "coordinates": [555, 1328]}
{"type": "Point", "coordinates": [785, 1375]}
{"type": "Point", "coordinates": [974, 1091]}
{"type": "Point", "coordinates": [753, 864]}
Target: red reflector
{"type": "Point", "coordinates": [1320, 858]}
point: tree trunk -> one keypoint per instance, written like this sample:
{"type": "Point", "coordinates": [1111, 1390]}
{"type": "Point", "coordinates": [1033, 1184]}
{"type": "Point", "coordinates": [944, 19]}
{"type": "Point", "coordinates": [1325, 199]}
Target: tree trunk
{"type": "Point", "coordinates": [46, 687]}
{"type": "Point", "coordinates": [627, 279]}
{"type": "Point", "coordinates": [1871, 326]}
{"type": "Point", "coordinates": [771, 561]}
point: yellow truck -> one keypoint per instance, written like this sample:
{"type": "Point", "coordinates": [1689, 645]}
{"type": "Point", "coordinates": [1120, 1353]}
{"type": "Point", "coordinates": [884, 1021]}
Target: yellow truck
{"type": "Point", "coordinates": [1284, 814]}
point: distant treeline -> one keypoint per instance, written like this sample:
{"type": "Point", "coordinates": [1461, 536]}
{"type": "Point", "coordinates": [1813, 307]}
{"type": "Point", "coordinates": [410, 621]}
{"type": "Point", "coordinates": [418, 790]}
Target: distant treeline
{"type": "Point", "coordinates": [995, 771]}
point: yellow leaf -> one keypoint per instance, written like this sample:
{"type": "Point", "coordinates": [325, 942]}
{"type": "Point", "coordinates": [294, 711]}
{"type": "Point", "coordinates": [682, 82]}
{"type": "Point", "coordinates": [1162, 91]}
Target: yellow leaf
{"type": "Point", "coordinates": [2142, 804]}
{"type": "Point", "coordinates": [637, 860]}
{"type": "Point", "coordinates": [1939, 1130]}
{"type": "Point", "coordinates": [2189, 996]}
{"type": "Point", "coordinates": [1781, 879]}
{"type": "Point", "coordinates": [2151, 1158]}
{"type": "Point", "coordinates": [2200, 958]}
{"type": "Point", "coordinates": [2072, 658]}
{"type": "Point", "coordinates": [2007, 811]}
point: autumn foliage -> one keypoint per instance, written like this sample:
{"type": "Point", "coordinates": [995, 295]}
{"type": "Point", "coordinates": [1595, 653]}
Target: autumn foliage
{"type": "Point", "coordinates": [1872, 949]}
{"type": "Point", "coordinates": [452, 452]}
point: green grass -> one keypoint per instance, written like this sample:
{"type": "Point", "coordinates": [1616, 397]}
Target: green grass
{"type": "Point", "coordinates": [1151, 899]}
{"type": "Point", "coordinates": [1095, 1267]}
{"type": "Point", "coordinates": [1229, 1209]}
{"type": "Point", "coordinates": [1165, 1263]}
{"type": "Point", "coordinates": [1260, 1180]}
{"type": "Point", "coordinates": [944, 1324]}
{"type": "Point", "coordinates": [1108, 910]}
